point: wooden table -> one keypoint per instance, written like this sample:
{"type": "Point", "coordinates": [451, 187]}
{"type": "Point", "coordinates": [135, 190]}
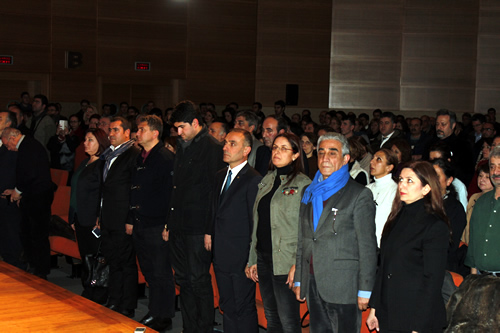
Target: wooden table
{"type": "Point", "coordinates": [30, 304]}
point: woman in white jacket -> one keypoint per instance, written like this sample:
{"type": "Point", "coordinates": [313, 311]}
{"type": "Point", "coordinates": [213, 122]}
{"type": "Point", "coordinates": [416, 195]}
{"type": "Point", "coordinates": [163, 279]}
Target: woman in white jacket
{"type": "Point", "coordinates": [384, 188]}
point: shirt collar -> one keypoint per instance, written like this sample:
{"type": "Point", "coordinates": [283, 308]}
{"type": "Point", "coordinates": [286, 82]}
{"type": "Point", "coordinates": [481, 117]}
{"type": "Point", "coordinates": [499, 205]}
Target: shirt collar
{"type": "Point", "coordinates": [237, 169]}
{"type": "Point", "coordinates": [20, 140]}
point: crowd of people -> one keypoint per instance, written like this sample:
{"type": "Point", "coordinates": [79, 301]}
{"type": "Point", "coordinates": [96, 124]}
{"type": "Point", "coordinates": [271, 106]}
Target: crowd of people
{"type": "Point", "coordinates": [346, 213]}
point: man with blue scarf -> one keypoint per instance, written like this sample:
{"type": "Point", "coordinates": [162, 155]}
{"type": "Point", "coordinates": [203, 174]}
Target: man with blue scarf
{"type": "Point", "coordinates": [336, 249]}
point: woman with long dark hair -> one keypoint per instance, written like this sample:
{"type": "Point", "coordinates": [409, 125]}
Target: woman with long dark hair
{"type": "Point", "coordinates": [84, 202]}
{"type": "Point", "coordinates": [407, 292]}
{"type": "Point", "coordinates": [275, 232]}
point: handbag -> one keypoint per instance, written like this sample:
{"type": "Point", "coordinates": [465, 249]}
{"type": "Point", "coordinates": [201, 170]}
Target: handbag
{"type": "Point", "coordinates": [97, 270]}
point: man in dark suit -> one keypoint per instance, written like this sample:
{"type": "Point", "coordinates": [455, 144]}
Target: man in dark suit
{"type": "Point", "coordinates": [149, 200]}
{"type": "Point", "coordinates": [10, 215]}
{"type": "Point", "coordinates": [34, 191]}
{"type": "Point", "coordinates": [117, 245]}
{"type": "Point", "coordinates": [336, 249]}
{"type": "Point", "coordinates": [231, 231]}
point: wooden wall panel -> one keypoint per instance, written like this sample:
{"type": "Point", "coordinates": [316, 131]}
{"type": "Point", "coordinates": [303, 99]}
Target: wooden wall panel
{"type": "Point", "coordinates": [439, 55]}
{"type": "Point", "coordinates": [365, 65]}
{"type": "Point", "coordinates": [488, 54]}
{"type": "Point", "coordinates": [293, 47]}
{"type": "Point", "coordinates": [221, 47]}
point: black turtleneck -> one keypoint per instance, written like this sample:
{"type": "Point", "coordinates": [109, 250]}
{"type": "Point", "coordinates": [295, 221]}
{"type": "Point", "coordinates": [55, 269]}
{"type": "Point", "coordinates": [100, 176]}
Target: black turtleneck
{"type": "Point", "coordinates": [264, 242]}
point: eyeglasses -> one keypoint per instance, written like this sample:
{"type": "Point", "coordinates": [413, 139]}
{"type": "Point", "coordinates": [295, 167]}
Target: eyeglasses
{"type": "Point", "coordinates": [281, 149]}
{"type": "Point", "coordinates": [306, 143]}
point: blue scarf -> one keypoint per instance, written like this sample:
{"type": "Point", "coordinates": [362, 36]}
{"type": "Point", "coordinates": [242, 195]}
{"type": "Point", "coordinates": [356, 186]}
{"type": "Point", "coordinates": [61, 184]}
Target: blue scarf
{"type": "Point", "coordinates": [319, 191]}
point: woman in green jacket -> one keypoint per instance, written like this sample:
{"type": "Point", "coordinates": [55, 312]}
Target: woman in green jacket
{"type": "Point", "coordinates": [275, 231]}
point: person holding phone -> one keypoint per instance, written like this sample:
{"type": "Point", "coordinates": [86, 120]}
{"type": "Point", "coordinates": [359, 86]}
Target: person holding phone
{"type": "Point", "coordinates": [62, 147]}
{"type": "Point", "coordinates": [84, 203]}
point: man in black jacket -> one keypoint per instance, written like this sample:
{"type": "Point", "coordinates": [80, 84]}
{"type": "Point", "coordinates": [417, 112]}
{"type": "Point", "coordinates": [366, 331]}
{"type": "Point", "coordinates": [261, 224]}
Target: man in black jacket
{"type": "Point", "coordinates": [149, 200]}
{"type": "Point", "coordinates": [10, 215]}
{"type": "Point", "coordinates": [117, 245]}
{"type": "Point", "coordinates": [35, 192]}
{"type": "Point", "coordinates": [198, 158]}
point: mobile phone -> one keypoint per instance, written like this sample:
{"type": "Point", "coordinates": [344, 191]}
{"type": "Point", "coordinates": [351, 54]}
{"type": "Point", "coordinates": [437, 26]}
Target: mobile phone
{"type": "Point", "coordinates": [140, 329]}
{"type": "Point", "coordinates": [97, 232]}
{"type": "Point", "coordinates": [63, 124]}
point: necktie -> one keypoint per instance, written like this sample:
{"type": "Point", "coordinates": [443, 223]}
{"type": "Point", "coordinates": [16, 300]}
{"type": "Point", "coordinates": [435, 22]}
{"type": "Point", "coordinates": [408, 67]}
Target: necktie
{"type": "Point", "coordinates": [226, 186]}
{"type": "Point", "coordinates": [228, 182]}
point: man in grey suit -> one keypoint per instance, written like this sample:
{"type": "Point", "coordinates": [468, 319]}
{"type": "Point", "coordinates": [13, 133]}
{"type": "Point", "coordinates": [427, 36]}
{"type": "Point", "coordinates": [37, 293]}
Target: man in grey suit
{"type": "Point", "coordinates": [336, 249]}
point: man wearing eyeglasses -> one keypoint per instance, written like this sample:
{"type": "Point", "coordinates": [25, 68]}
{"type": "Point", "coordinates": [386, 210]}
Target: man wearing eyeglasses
{"type": "Point", "coordinates": [488, 130]}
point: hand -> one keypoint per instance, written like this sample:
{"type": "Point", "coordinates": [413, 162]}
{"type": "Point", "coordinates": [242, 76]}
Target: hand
{"type": "Point", "coordinates": [247, 271]}
{"type": "Point", "coordinates": [165, 234]}
{"type": "Point", "coordinates": [363, 303]}
{"type": "Point", "coordinates": [208, 242]}
{"type": "Point", "coordinates": [129, 228]}
{"type": "Point", "coordinates": [372, 321]}
{"type": "Point", "coordinates": [14, 195]}
{"type": "Point", "coordinates": [297, 294]}
{"type": "Point", "coordinates": [253, 273]}
{"type": "Point", "coordinates": [473, 271]}
{"type": "Point", "coordinates": [291, 275]}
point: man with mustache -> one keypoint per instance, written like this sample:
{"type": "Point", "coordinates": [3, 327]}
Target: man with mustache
{"type": "Point", "coordinates": [483, 254]}
{"type": "Point", "coordinates": [461, 149]}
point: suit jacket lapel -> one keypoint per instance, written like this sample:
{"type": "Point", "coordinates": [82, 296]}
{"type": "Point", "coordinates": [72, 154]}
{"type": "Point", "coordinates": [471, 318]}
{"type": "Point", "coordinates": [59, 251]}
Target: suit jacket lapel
{"type": "Point", "coordinates": [328, 213]}
{"type": "Point", "coordinates": [234, 184]}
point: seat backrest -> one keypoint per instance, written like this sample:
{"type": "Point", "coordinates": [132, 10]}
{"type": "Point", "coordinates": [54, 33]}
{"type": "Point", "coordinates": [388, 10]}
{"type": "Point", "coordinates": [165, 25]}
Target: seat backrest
{"type": "Point", "coordinates": [60, 205]}
{"type": "Point", "coordinates": [59, 177]}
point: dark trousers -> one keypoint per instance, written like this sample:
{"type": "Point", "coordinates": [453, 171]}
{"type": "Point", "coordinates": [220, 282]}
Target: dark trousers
{"type": "Point", "coordinates": [118, 249]}
{"type": "Point", "coordinates": [237, 300]}
{"type": "Point", "coordinates": [88, 244]}
{"type": "Point", "coordinates": [153, 254]}
{"type": "Point", "coordinates": [10, 235]}
{"type": "Point", "coordinates": [35, 224]}
{"type": "Point", "coordinates": [191, 262]}
{"type": "Point", "coordinates": [329, 317]}
{"type": "Point", "coordinates": [281, 307]}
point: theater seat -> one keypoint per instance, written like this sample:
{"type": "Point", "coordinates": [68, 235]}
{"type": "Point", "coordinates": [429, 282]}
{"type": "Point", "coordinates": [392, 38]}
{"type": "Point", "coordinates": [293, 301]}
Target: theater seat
{"type": "Point", "coordinates": [59, 177]}
{"type": "Point", "coordinates": [60, 205]}
{"type": "Point", "coordinates": [457, 278]}
{"type": "Point", "coordinates": [63, 245]}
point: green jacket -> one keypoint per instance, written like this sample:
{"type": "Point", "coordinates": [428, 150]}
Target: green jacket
{"type": "Point", "coordinates": [285, 206]}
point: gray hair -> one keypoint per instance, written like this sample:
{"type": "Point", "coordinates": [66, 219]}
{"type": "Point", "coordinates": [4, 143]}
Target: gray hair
{"type": "Point", "coordinates": [495, 152]}
{"type": "Point", "coordinates": [10, 132]}
{"type": "Point", "coordinates": [335, 136]}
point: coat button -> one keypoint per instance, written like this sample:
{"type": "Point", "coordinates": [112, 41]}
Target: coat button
{"type": "Point", "coordinates": [314, 239]}
{"type": "Point", "coordinates": [389, 276]}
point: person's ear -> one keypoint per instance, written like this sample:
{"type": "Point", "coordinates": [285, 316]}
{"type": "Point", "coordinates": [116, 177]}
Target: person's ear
{"type": "Point", "coordinates": [389, 168]}
{"type": "Point", "coordinates": [449, 181]}
{"type": "Point", "coordinates": [347, 157]}
{"type": "Point", "coordinates": [295, 156]}
{"type": "Point", "coordinates": [426, 189]}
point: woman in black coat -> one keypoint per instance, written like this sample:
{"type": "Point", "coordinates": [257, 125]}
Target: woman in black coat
{"type": "Point", "coordinates": [407, 292]}
{"type": "Point", "coordinates": [84, 203]}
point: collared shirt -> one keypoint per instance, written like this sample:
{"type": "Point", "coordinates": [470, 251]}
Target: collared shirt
{"type": "Point", "coordinates": [484, 250]}
{"type": "Point", "coordinates": [20, 141]}
{"type": "Point", "coordinates": [234, 173]}
{"type": "Point", "coordinates": [113, 148]}
{"type": "Point", "coordinates": [386, 138]}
